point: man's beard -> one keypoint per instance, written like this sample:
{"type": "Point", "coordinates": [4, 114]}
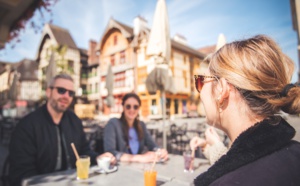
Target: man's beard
{"type": "Point", "coordinates": [54, 104]}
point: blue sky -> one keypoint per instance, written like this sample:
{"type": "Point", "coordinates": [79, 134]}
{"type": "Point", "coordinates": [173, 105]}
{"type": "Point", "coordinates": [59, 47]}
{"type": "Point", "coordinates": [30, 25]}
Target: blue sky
{"type": "Point", "coordinates": [200, 21]}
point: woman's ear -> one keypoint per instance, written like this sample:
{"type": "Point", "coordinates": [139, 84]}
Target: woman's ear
{"type": "Point", "coordinates": [223, 90]}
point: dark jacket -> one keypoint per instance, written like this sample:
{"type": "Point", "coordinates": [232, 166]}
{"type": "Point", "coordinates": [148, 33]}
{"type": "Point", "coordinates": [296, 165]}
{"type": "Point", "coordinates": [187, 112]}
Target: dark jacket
{"type": "Point", "coordinates": [114, 140]}
{"type": "Point", "coordinates": [263, 155]}
{"type": "Point", "coordinates": [34, 144]}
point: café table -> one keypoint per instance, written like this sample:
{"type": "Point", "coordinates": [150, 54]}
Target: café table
{"type": "Point", "coordinates": [173, 169]}
{"type": "Point", "coordinates": [168, 173]}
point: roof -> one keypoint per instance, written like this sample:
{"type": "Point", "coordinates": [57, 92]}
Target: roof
{"type": "Point", "coordinates": [128, 29]}
{"type": "Point", "coordinates": [186, 48]}
{"type": "Point", "coordinates": [28, 70]}
{"type": "Point", "coordinates": [62, 36]}
{"type": "Point", "coordinates": [207, 49]}
{"type": "Point", "coordinates": [8, 66]}
{"type": "Point", "coordinates": [83, 51]}
{"type": "Point", "coordinates": [174, 43]}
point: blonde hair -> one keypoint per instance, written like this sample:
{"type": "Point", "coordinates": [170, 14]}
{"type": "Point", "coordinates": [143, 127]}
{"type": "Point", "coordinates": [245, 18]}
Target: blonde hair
{"type": "Point", "coordinates": [259, 70]}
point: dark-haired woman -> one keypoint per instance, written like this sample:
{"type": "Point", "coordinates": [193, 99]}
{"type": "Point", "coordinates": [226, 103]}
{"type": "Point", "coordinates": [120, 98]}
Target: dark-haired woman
{"type": "Point", "coordinates": [127, 138]}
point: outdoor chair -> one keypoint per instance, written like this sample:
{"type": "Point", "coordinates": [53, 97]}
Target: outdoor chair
{"type": "Point", "coordinates": [178, 139]}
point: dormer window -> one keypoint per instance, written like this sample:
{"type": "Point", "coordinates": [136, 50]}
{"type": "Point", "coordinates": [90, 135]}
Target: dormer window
{"type": "Point", "coordinates": [115, 39]}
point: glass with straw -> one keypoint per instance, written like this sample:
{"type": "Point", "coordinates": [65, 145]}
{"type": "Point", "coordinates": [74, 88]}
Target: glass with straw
{"type": "Point", "coordinates": [188, 157]}
{"type": "Point", "coordinates": [150, 174]}
{"type": "Point", "coordinates": [82, 164]}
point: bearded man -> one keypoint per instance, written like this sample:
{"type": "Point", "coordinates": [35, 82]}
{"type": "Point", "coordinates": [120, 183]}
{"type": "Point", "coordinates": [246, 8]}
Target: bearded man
{"type": "Point", "coordinates": [41, 141]}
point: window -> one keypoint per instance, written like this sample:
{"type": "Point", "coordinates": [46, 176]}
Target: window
{"type": "Point", "coordinates": [112, 60]}
{"type": "Point", "coordinates": [184, 107]}
{"type": "Point", "coordinates": [96, 87]}
{"type": "Point", "coordinates": [122, 57]}
{"type": "Point", "coordinates": [185, 78]}
{"type": "Point", "coordinates": [142, 75]}
{"type": "Point", "coordinates": [115, 39]}
{"type": "Point", "coordinates": [119, 80]}
{"type": "Point", "coordinates": [176, 106]}
{"type": "Point", "coordinates": [154, 109]}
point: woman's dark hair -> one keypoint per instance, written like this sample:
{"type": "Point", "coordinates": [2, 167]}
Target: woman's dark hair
{"type": "Point", "coordinates": [136, 123]}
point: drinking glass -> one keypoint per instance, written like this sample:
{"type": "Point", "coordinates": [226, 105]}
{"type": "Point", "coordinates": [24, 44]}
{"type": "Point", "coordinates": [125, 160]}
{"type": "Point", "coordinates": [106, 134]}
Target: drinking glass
{"type": "Point", "coordinates": [82, 167]}
{"type": "Point", "coordinates": [188, 161]}
{"type": "Point", "coordinates": [150, 177]}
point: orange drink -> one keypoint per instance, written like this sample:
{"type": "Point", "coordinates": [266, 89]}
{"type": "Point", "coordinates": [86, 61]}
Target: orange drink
{"type": "Point", "coordinates": [150, 177]}
{"type": "Point", "coordinates": [82, 167]}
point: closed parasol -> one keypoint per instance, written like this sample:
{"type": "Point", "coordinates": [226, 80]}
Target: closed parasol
{"type": "Point", "coordinates": [159, 48]}
{"type": "Point", "coordinates": [109, 85]}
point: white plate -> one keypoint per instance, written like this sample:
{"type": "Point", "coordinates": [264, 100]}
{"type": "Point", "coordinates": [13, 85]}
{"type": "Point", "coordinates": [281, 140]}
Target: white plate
{"type": "Point", "coordinates": [101, 171]}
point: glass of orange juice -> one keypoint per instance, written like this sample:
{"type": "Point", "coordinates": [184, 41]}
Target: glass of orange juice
{"type": "Point", "coordinates": [82, 167]}
{"type": "Point", "coordinates": [150, 177]}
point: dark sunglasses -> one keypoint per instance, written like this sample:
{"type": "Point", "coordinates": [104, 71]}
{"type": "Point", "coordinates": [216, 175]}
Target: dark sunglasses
{"type": "Point", "coordinates": [62, 91]}
{"type": "Point", "coordinates": [200, 80]}
{"type": "Point", "coordinates": [135, 107]}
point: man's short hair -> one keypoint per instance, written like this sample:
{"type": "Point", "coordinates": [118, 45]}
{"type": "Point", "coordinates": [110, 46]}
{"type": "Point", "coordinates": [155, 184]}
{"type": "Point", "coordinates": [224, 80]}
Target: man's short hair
{"type": "Point", "coordinates": [59, 76]}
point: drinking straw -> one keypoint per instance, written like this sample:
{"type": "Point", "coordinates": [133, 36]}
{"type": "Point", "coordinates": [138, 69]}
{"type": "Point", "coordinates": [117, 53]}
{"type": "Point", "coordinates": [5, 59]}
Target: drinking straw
{"type": "Point", "coordinates": [75, 151]}
{"type": "Point", "coordinates": [193, 152]}
{"type": "Point", "coordinates": [192, 156]}
{"type": "Point", "coordinates": [154, 161]}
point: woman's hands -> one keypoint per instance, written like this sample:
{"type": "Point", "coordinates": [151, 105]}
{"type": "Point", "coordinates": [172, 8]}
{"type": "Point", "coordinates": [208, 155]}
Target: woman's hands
{"type": "Point", "coordinates": [197, 142]}
{"type": "Point", "coordinates": [211, 138]}
{"type": "Point", "coordinates": [148, 157]}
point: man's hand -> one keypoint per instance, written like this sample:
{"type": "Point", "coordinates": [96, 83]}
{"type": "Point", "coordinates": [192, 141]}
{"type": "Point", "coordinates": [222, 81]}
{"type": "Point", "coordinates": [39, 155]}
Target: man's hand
{"type": "Point", "coordinates": [110, 155]}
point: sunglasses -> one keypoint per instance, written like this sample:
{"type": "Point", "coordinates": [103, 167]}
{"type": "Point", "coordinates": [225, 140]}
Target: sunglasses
{"type": "Point", "coordinates": [62, 91]}
{"type": "Point", "coordinates": [200, 80]}
{"type": "Point", "coordinates": [135, 107]}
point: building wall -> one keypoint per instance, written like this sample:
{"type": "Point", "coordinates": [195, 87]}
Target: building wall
{"type": "Point", "coordinates": [71, 59]}
{"type": "Point", "coordinates": [28, 90]}
{"type": "Point", "coordinates": [181, 72]}
{"type": "Point", "coordinates": [4, 86]}
{"type": "Point", "coordinates": [117, 52]}
{"type": "Point", "coordinates": [93, 84]}
{"type": "Point", "coordinates": [4, 81]}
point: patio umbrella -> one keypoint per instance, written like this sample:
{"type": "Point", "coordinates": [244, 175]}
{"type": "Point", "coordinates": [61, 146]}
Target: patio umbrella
{"type": "Point", "coordinates": [159, 47]}
{"type": "Point", "coordinates": [51, 69]}
{"type": "Point", "coordinates": [109, 85]}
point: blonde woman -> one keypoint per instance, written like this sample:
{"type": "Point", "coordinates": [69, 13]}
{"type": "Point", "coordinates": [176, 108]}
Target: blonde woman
{"type": "Point", "coordinates": [246, 84]}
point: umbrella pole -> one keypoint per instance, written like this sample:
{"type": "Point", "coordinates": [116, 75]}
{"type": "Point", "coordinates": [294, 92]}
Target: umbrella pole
{"type": "Point", "coordinates": [163, 96]}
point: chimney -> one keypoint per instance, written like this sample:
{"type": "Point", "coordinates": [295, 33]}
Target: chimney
{"type": "Point", "coordinates": [92, 53]}
{"type": "Point", "coordinates": [180, 39]}
{"type": "Point", "coordinates": [221, 41]}
{"type": "Point", "coordinates": [139, 23]}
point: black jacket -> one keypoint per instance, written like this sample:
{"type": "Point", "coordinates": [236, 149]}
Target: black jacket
{"type": "Point", "coordinates": [34, 144]}
{"type": "Point", "coordinates": [263, 155]}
